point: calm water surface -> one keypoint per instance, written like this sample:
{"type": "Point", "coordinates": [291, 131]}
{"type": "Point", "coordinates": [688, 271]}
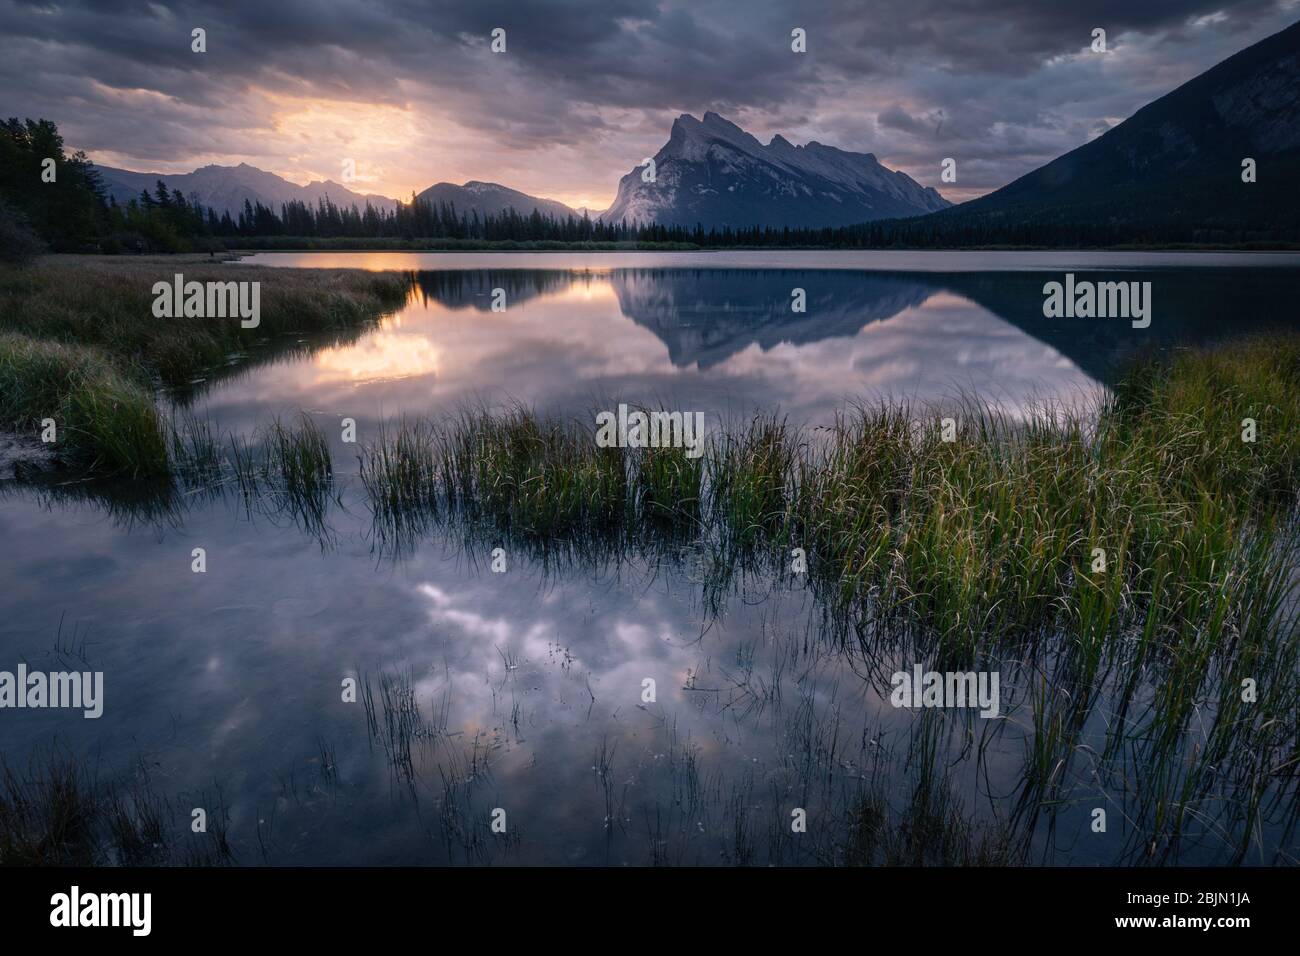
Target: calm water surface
{"type": "Point", "coordinates": [529, 684]}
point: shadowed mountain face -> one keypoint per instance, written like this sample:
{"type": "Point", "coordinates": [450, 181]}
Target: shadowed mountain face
{"type": "Point", "coordinates": [1177, 162]}
{"type": "Point", "coordinates": [225, 188]}
{"type": "Point", "coordinates": [713, 173]}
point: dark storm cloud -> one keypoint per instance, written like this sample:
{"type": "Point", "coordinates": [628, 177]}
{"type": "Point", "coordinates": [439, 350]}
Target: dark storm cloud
{"type": "Point", "coordinates": [998, 83]}
{"type": "Point", "coordinates": [994, 36]}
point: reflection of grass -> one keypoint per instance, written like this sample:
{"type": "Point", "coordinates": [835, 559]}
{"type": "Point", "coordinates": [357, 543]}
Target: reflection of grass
{"type": "Point", "coordinates": [48, 816]}
{"type": "Point", "coordinates": [299, 466]}
{"type": "Point", "coordinates": [931, 829]}
{"type": "Point", "coordinates": [81, 345]}
{"type": "Point", "coordinates": [56, 814]}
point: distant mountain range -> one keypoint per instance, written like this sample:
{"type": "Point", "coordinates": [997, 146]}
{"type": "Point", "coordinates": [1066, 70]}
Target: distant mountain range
{"type": "Point", "coordinates": [709, 172]}
{"type": "Point", "coordinates": [225, 188]}
{"type": "Point", "coordinates": [1171, 172]}
{"type": "Point", "coordinates": [714, 173]}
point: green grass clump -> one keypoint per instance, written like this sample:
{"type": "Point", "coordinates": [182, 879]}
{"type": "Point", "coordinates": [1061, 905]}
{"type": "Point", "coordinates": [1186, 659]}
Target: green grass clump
{"type": "Point", "coordinates": [399, 472]}
{"type": "Point", "coordinates": [299, 457]}
{"type": "Point", "coordinates": [536, 479]}
{"type": "Point", "coordinates": [750, 476]}
{"type": "Point", "coordinates": [531, 475]}
{"type": "Point", "coordinates": [297, 465]}
{"type": "Point", "coordinates": [106, 418]}
{"type": "Point", "coordinates": [669, 488]}
{"type": "Point", "coordinates": [1186, 416]}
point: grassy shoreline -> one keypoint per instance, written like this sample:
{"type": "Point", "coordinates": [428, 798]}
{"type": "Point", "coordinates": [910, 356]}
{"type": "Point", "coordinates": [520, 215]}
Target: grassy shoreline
{"type": "Point", "coordinates": [79, 343]}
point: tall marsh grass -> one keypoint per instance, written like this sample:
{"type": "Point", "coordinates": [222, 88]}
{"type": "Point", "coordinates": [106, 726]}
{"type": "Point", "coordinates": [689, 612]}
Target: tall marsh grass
{"type": "Point", "coordinates": [1147, 515]}
{"type": "Point", "coordinates": [103, 412]}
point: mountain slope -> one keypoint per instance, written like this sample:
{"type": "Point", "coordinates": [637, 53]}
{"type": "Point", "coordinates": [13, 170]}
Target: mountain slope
{"type": "Point", "coordinates": [712, 172]}
{"type": "Point", "coordinates": [493, 199]}
{"type": "Point", "coordinates": [1177, 162]}
{"type": "Point", "coordinates": [225, 188]}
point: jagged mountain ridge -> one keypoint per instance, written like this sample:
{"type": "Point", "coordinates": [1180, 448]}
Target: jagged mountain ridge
{"type": "Point", "coordinates": [714, 173]}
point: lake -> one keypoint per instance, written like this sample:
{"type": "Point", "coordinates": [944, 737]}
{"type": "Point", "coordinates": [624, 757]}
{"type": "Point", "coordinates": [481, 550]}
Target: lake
{"type": "Point", "coordinates": [522, 694]}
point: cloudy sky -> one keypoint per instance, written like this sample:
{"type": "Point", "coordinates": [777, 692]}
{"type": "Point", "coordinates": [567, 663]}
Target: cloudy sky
{"type": "Point", "coordinates": [412, 93]}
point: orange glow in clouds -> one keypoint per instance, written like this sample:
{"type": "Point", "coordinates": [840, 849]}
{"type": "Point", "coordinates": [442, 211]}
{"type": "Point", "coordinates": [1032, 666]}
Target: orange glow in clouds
{"type": "Point", "coordinates": [379, 138]}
